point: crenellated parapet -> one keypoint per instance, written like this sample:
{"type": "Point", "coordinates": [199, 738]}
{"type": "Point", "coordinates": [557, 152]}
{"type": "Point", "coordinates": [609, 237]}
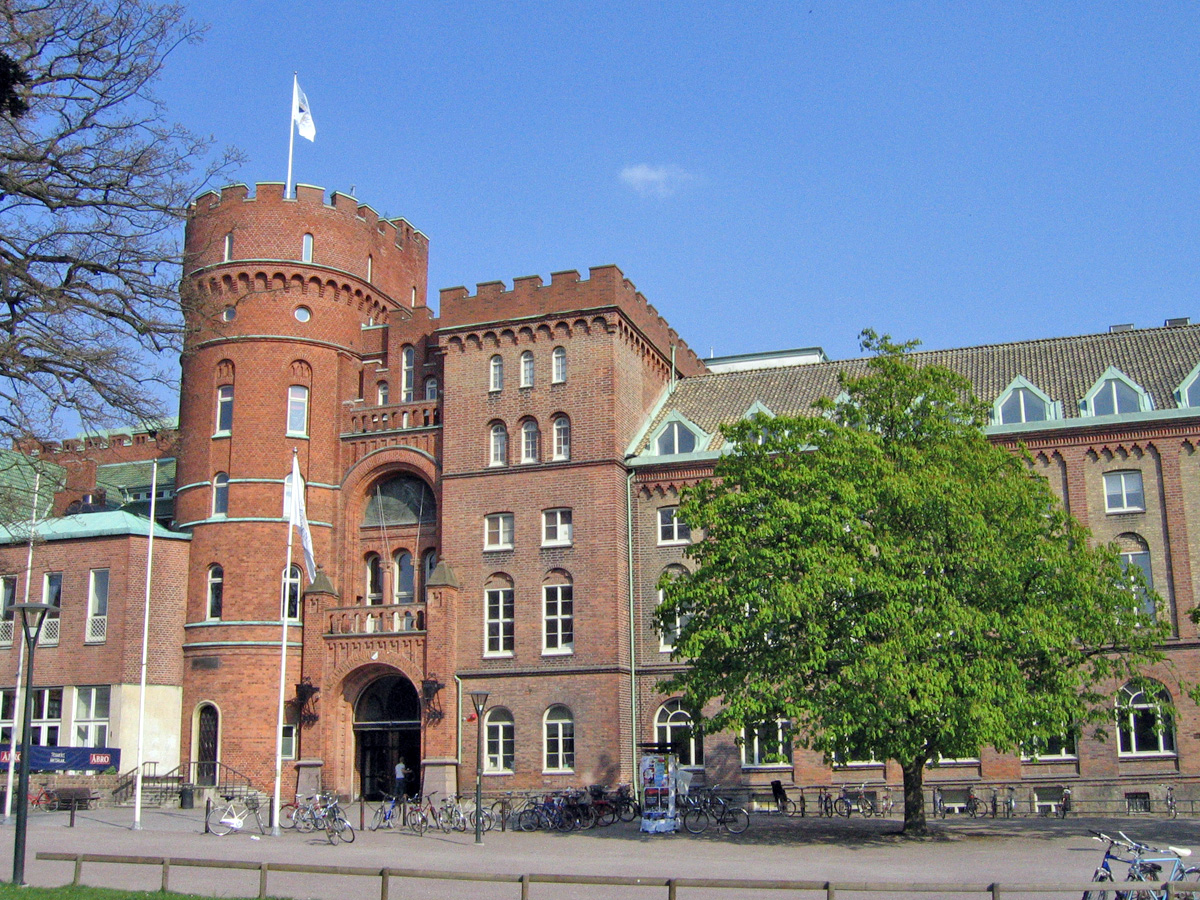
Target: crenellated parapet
{"type": "Point", "coordinates": [567, 297]}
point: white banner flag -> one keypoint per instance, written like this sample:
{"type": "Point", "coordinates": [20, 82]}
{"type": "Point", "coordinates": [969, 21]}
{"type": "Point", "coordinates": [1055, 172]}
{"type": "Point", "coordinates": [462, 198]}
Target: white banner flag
{"type": "Point", "coordinates": [299, 520]}
{"type": "Point", "coordinates": [301, 114]}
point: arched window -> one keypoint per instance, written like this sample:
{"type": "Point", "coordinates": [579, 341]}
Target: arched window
{"type": "Point", "coordinates": [496, 378]}
{"type": "Point", "coordinates": [374, 579]}
{"type": "Point", "coordinates": [498, 455]}
{"type": "Point", "coordinates": [527, 369]}
{"type": "Point", "coordinates": [297, 415]}
{"type": "Point", "coordinates": [290, 600]}
{"type": "Point", "coordinates": [1135, 556]}
{"type": "Point", "coordinates": [498, 616]}
{"type": "Point", "coordinates": [381, 393]}
{"type": "Point", "coordinates": [216, 591]}
{"type": "Point", "coordinates": [558, 614]}
{"type": "Point", "coordinates": [1144, 727]}
{"type": "Point", "coordinates": [228, 246]}
{"type": "Point", "coordinates": [559, 367]}
{"type": "Point", "coordinates": [428, 564]}
{"type": "Point", "coordinates": [399, 500]}
{"type": "Point", "coordinates": [530, 438]}
{"type": "Point", "coordinates": [500, 741]}
{"type": "Point", "coordinates": [558, 730]}
{"type": "Point", "coordinates": [220, 504]}
{"type": "Point", "coordinates": [431, 388]}
{"type": "Point", "coordinates": [370, 267]}
{"type": "Point", "coordinates": [306, 249]}
{"type": "Point", "coordinates": [408, 357]}
{"type": "Point", "coordinates": [403, 577]}
{"type": "Point", "coordinates": [562, 437]}
{"type": "Point", "coordinates": [673, 725]}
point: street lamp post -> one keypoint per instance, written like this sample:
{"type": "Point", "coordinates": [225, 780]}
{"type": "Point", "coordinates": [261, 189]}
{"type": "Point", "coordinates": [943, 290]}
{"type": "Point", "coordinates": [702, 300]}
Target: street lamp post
{"type": "Point", "coordinates": [479, 699]}
{"type": "Point", "coordinates": [32, 617]}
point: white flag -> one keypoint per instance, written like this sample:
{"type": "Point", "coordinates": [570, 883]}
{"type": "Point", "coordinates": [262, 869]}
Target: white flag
{"type": "Point", "coordinates": [301, 114]}
{"type": "Point", "coordinates": [298, 519]}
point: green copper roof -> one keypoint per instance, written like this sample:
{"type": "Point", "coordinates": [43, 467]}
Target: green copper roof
{"type": "Point", "coordinates": [89, 525]}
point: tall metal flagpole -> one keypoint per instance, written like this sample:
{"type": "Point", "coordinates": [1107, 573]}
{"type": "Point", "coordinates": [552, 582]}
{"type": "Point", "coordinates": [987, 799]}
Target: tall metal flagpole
{"type": "Point", "coordinates": [17, 704]}
{"type": "Point", "coordinates": [287, 191]}
{"type": "Point", "coordinates": [137, 790]}
{"type": "Point", "coordinates": [292, 517]}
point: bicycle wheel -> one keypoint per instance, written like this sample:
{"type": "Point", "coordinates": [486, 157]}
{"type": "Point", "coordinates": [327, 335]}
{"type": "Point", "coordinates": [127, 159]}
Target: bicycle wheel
{"type": "Point", "coordinates": [841, 806]}
{"type": "Point", "coordinates": [695, 820]}
{"type": "Point", "coordinates": [501, 810]}
{"type": "Point", "coordinates": [867, 808]}
{"type": "Point", "coordinates": [378, 819]}
{"type": "Point", "coordinates": [221, 821]}
{"type": "Point", "coordinates": [344, 830]}
{"type": "Point", "coordinates": [418, 822]}
{"type": "Point", "coordinates": [1100, 875]}
{"type": "Point", "coordinates": [736, 820]}
{"type": "Point", "coordinates": [527, 820]}
{"type": "Point", "coordinates": [629, 810]}
{"type": "Point", "coordinates": [608, 815]}
{"type": "Point", "coordinates": [488, 821]}
{"type": "Point", "coordinates": [306, 820]}
{"type": "Point", "coordinates": [444, 821]}
{"type": "Point", "coordinates": [972, 807]}
{"type": "Point", "coordinates": [1191, 876]}
{"type": "Point", "coordinates": [459, 819]}
{"type": "Point", "coordinates": [287, 815]}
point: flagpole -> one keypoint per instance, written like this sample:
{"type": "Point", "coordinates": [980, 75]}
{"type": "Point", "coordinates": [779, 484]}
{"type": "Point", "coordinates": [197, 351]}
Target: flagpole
{"type": "Point", "coordinates": [18, 704]}
{"type": "Point", "coordinates": [275, 804]}
{"type": "Point", "coordinates": [141, 734]}
{"type": "Point", "coordinates": [287, 192]}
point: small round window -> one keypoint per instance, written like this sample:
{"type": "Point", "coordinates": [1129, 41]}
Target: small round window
{"type": "Point", "coordinates": [229, 313]}
{"type": "Point", "coordinates": [303, 313]}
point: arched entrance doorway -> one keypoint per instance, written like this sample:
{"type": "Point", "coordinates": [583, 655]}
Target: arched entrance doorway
{"type": "Point", "coordinates": [387, 727]}
{"type": "Point", "coordinates": [208, 732]}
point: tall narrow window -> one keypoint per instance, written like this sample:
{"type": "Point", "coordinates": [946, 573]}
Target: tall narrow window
{"type": "Point", "coordinates": [559, 739]}
{"type": "Point", "coordinates": [527, 369]}
{"type": "Point", "coordinates": [97, 624]}
{"type": "Point", "coordinates": [287, 494]}
{"type": "Point", "coordinates": [374, 579]}
{"type": "Point", "coordinates": [52, 584]}
{"type": "Point", "coordinates": [558, 620]}
{"type": "Point", "coordinates": [428, 564]}
{"type": "Point", "coordinates": [408, 359]}
{"type": "Point", "coordinates": [1135, 555]}
{"type": "Point", "coordinates": [8, 596]}
{"type": "Point", "coordinates": [370, 267]}
{"type": "Point", "coordinates": [1144, 727]}
{"type": "Point", "coordinates": [381, 393]}
{"type": "Point", "coordinates": [225, 409]}
{"type": "Point", "coordinates": [297, 420]}
{"type": "Point", "coordinates": [306, 249]}
{"type": "Point", "coordinates": [216, 591]}
{"type": "Point", "coordinates": [47, 716]}
{"type": "Point", "coordinates": [559, 365]}
{"type": "Point", "coordinates": [496, 378]}
{"type": "Point", "coordinates": [529, 441]}
{"type": "Point", "coordinates": [500, 738]}
{"type": "Point", "coordinates": [673, 725]}
{"type": "Point", "coordinates": [431, 388]}
{"type": "Point", "coordinates": [403, 577]}
{"type": "Point", "coordinates": [498, 617]}
{"type": "Point", "coordinates": [220, 504]}
{"type": "Point", "coordinates": [499, 445]}
{"type": "Point", "coordinates": [228, 246]}
{"type": "Point", "coordinates": [562, 438]}
{"type": "Point", "coordinates": [290, 600]}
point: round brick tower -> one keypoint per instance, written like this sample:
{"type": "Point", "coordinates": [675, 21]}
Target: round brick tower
{"type": "Point", "coordinates": [284, 299]}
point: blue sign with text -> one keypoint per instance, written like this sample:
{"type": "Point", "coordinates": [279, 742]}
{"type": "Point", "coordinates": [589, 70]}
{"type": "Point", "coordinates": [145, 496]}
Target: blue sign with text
{"type": "Point", "coordinates": [62, 758]}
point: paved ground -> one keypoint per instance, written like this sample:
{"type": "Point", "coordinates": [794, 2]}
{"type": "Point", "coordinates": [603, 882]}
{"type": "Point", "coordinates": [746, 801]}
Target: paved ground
{"type": "Point", "coordinates": [1019, 850]}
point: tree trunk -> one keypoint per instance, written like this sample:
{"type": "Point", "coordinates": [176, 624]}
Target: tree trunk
{"type": "Point", "coordinates": [914, 798]}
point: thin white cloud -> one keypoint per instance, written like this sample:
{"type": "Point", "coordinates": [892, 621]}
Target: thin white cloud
{"type": "Point", "coordinates": [654, 181]}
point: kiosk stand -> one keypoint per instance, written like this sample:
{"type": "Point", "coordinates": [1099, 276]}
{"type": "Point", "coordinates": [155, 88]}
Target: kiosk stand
{"type": "Point", "coordinates": [656, 777]}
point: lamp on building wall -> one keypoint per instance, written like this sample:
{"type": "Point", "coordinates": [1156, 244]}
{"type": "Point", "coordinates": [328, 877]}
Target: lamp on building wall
{"type": "Point", "coordinates": [32, 617]}
{"type": "Point", "coordinates": [429, 698]}
{"type": "Point", "coordinates": [479, 701]}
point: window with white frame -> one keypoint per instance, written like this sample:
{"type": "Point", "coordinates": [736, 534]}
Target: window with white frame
{"type": "Point", "coordinates": [1021, 404]}
{"type": "Point", "coordinates": [1115, 394]}
{"type": "Point", "coordinates": [47, 716]}
{"type": "Point", "coordinates": [500, 742]}
{"type": "Point", "coordinates": [408, 374]}
{"type": "Point", "coordinates": [216, 591]}
{"type": "Point", "coordinates": [530, 439]}
{"type": "Point", "coordinates": [297, 417]}
{"type": "Point", "coordinates": [404, 577]}
{"type": "Point", "coordinates": [498, 449]}
{"type": "Point", "coordinates": [558, 368]}
{"type": "Point", "coordinates": [558, 616]}
{"type": "Point", "coordinates": [562, 437]}
{"type": "Point", "coordinates": [290, 596]}
{"type": "Point", "coordinates": [306, 248]}
{"type": "Point", "coordinates": [8, 705]}
{"type": "Point", "coordinates": [382, 393]}
{"type": "Point", "coordinates": [431, 388]}
{"type": "Point", "coordinates": [228, 254]}
{"type": "Point", "coordinates": [673, 725]}
{"type": "Point", "coordinates": [374, 579]}
{"type": "Point", "coordinates": [8, 596]}
{"type": "Point", "coordinates": [288, 487]}
{"type": "Point", "coordinates": [498, 617]}
{"type": "Point", "coordinates": [220, 494]}
{"type": "Point", "coordinates": [558, 732]}
{"type": "Point", "coordinates": [672, 529]}
{"type": "Point", "coordinates": [767, 744]}
{"type": "Point", "coordinates": [97, 623]}
{"type": "Point", "coordinates": [225, 409]}
{"type": "Point", "coordinates": [498, 531]}
{"type": "Point", "coordinates": [289, 742]}
{"type": "Point", "coordinates": [52, 586]}
{"type": "Point", "coordinates": [527, 369]}
{"type": "Point", "coordinates": [1060, 746]}
{"type": "Point", "coordinates": [556, 528]}
{"type": "Point", "coordinates": [675, 438]}
{"type": "Point", "coordinates": [1123, 492]}
{"type": "Point", "coordinates": [669, 634]}
{"type": "Point", "coordinates": [496, 373]}
{"type": "Point", "coordinates": [1144, 727]}
{"type": "Point", "coordinates": [91, 716]}
{"type": "Point", "coordinates": [1135, 555]}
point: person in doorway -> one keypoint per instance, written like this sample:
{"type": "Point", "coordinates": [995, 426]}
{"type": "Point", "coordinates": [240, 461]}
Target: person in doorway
{"type": "Point", "coordinates": [402, 773]}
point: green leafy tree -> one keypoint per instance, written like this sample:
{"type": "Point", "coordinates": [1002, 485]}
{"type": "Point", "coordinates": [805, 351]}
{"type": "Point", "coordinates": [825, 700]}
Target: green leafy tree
{"type": "Point", "coordinates": [894, 586]}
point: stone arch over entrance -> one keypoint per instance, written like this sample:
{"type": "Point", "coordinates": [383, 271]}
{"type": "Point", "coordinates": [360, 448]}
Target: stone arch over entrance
{"type": "Point", "coordinates": [387, 729]}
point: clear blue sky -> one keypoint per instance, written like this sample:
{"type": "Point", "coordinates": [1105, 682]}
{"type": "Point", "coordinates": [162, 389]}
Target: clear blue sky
{"type": "Point", "coordinates": [768, 175]}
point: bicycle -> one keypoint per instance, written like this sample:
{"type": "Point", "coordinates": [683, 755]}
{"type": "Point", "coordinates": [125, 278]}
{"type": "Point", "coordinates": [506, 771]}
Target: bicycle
{"type": "Point", "coordinates": [336, 826]}
{"type": "Point", "coordinates": [844, 805]}
{"type": "Point", "coordinates": [715, 810]}
{"type": "Point", "coordinates": [1172, 809]}
{"type": "Point", "coordinates": [232, 816]}
{"type": "Point", "coordinates": [824, 802]}
{"type": "Point", "coordinates": [1064, 806]}
{"type": "Point", "coordinates": [44, 799]}
{"type": "Point", "coordinates": [386, 815]}
{"type": "Point", "coordinates": [939, 804]}
{"type": "Point", "coordinates": [974, 804]}
{"type": "Point", "coordinates": [885, 804]}
{"type": "Point", "coordinates": [1142, 868]}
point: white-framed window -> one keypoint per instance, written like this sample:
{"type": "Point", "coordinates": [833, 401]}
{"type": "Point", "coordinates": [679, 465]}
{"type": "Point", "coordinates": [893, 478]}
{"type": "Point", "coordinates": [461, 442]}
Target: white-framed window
{"type": "Point", "coordinates": [306, 248]}
{"type": "Point", "coordinates": [374, 579]}
{"type": "Point", "coordinates": [408, 374]}
{"type": "Point", "coordinates": [297, 417]}
{"type": "Point", "coordinates": [672, 529]}
{"type": "Point", "coordinates": [370, 267]}
{"type": "Point", "coordinates": [220, 494]}
{"type": "Point", "coordinates": [562, 437]}
{"type": "Point", "coordinates": [558, 619]}
{"type": "Point", "coordinates": [527, 369]}
{"type": "Point", "coordinates": [1135, 554]}
{"type": "Point", "coordinates": [288, 487]}
{"type": "Point", "coordinates": [290, 595]}
{"type": "Point", "coordinates": [225, 409]}
{"type": "Point", "coordinates": [91, 716]}
{"type": "Point", "coordinates": [530, 441]}
{"type": "Point", "coordinates": [1022, 402]}
{"type": "Point", "coordinates": [498, 531]}
{"type": "Point", "coordinates": [557, 530]}
{"type": "Point", "coordinates": [673, 725]}
{"type": "Point", "coordinates": [669, 635]}
{"type": "Point", "coordinates": [558, 365]}
{"type": "Point", "coordinates": [431, 388]}
{"type": "Point", "coordinates": [47, 716]}
{"type": "Point", "coordinates": [381, 394]}
{"type": "Point", "coordinates": [215, 592]}
{"type": "Point", "coordinates": [500, 742]}
{"type": "Point", "coordinates": [558, 733]}
{"type": "Point", "coordinates": [289, 742]}
{"type": "Point", "coordinates": [767, 744]}
{"type": "Point", "coordinates": [1143, 726]}
{"type": "Point", "coordinates": [8, 596]}
{"type": "Point", "coordinates": [97, 623]}
{"type": "Point", "coordinates": [498, 617]}
{"type": "Point", "coordinates": [498, 449]}
{"type": "Point", "coordinates": [496, 373]}
{"type": "Point", "coordinates": [1114, 393]}
{"type": "Point", "coordinates": [8, 706]}
{"type": "Point", "coordinates": [675, 438]}
{"type": "Point", "coordinates": [1123, 492]}
{"type": "Point", "coordinates": [404, 577]}
{"type": "Point", "coordinates": [52, 586]}
{"type": "Point", "coordinates": [1057, 747]}
{"type": "Point", "coordinates": [228, 254]}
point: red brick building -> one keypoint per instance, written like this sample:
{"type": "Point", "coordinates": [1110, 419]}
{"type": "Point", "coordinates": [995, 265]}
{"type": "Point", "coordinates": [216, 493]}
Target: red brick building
{"type": "Point", "coordinates": [491, 496]}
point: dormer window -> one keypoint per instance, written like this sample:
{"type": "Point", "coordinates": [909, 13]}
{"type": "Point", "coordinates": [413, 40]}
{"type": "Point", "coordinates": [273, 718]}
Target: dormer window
{"type": "Point", "coordinates": [1115, 394]}
{"type": "Point", "coordinates": [1188, 393]}
{"type": "Point", "coordinates": [1021, 402]}
{"type": "Point", "coordinates": [675, 438]}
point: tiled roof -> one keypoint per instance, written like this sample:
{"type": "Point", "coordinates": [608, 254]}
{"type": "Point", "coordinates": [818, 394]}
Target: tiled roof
{"type": "Point", "coordinates": [1065, 368]}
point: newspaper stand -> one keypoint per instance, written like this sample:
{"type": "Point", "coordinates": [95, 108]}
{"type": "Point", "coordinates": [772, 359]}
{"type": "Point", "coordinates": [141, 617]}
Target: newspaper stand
{"type": "Point", "coordinates": [656, 776]}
